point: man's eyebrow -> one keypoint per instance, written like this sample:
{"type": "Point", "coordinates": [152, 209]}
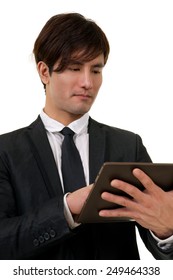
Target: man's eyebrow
{"type": "Point", "coordinates": [98, 65]}
{"type": "Point", "coordinates": [77, 62]}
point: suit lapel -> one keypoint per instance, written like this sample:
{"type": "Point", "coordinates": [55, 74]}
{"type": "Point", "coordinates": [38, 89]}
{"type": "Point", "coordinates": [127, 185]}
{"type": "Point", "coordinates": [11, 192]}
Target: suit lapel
{"type": "Point", "coordinates": [96, 148]}
{"type": "Point", "coordinates": [43, 154]}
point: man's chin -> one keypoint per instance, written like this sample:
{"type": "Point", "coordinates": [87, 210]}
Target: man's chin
{"type": "Point", "coordinates": [81, 111]}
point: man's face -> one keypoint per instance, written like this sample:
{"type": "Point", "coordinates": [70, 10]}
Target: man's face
{"type": "Point", "coordinates": [71, 93]}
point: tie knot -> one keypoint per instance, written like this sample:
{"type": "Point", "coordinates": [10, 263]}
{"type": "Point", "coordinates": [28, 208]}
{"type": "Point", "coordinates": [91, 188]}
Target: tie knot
{"type": "Point", "coordinates": [67, 131]}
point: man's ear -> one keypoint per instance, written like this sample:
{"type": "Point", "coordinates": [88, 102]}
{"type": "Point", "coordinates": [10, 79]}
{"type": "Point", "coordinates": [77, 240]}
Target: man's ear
{"type": "Point", "coordinates": [43, 72]}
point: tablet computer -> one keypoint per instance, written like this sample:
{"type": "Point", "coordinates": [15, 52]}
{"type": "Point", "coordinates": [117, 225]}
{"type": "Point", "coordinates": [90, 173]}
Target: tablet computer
{"type": "Point", "coordinates": [160, 173]}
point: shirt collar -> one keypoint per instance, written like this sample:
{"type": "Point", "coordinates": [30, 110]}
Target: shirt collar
{"type": "Point", "coordinates": [79, 126]}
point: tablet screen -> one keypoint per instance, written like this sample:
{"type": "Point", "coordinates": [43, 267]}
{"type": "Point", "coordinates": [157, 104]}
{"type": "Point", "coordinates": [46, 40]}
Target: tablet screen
{"type": "Point", "coordinates": [160, 173]}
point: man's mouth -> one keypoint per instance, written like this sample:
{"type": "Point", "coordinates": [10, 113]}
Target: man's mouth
{"type": "Point", "coordinates": [83, 95]}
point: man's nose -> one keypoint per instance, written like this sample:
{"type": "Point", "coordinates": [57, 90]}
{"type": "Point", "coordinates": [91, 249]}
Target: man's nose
{"type": "Point", "coordinates": [86, 80]}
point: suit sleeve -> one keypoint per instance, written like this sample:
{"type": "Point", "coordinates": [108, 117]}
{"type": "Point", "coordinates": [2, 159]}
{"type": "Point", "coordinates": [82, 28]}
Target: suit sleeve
{"type": "Point", "coordinates": [28, 234]}
{"type": "Point", "coordinates": [141, 152]}
{"type": "Point", "coordinates": [151, 243]}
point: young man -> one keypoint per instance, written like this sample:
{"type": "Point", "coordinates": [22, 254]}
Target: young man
{"type": "Point", "coordinates": [37, 214]}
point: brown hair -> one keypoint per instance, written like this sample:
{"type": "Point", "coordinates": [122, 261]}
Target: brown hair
{"type": "Point", "coordinates": [67, 35]}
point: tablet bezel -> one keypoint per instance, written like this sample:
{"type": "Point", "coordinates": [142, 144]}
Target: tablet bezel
{"type": "Point", "coordinates": [160, 173]}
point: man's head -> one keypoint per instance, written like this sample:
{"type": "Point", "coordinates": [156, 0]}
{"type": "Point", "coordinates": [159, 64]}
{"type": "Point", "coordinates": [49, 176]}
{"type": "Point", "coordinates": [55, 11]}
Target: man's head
{"type": "Point", "coordinates": [66, 35]}
{"type": "Point", "coordinates": [70, 53]}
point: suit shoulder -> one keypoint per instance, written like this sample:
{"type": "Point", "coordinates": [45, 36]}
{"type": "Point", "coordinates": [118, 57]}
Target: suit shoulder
{"type": "Point", "coordinates": [124, 145]}
{"type": "Point", "coordinates": [112, 130]}
{"type": "Point", "coordinates": [15, 137]}
{"type": "Point", "coordinates": [12, 134]}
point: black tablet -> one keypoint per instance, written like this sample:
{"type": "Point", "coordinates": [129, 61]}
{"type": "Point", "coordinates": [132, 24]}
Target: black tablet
{"type": "Point", "coordinates": [160, 173]}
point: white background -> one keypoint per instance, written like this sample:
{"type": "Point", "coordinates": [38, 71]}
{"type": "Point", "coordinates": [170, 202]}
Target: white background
{"type": "Point", "coordinates": [138, 78]}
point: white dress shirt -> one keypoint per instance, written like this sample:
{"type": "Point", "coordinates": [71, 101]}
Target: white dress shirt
{"type": "Point", "coordinates": [81, 139]}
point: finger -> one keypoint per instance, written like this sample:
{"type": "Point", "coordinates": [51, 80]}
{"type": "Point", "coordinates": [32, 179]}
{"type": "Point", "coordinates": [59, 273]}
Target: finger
{"type": "Point", "coordinates": [145, 180]}
{"type": "Point", "coordinates": [117, 213]}
{"type": "Point", "coordinates": [129, 189]}
{"type": "Point", "coordinates": [120, 200]}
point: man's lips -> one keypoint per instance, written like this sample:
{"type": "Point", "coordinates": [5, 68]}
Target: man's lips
{"type": "Point", "coordinates": [82, 95]}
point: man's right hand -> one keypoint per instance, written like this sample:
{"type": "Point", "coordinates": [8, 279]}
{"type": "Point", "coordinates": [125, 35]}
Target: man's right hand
{"type": "Point", "coordinates": [76, 200]}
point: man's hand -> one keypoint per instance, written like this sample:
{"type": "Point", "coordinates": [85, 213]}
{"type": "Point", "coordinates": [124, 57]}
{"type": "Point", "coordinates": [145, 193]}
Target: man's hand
{"type": "Point", "coordinates": [77, 199]}
{"type": "Point", "coordinates": [152, 208]}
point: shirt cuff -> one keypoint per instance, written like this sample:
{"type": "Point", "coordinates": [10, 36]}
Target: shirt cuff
{"type": "Point", "coordinates": [164, 244]}
{"type": "Point", "coordinates": [69, 218]}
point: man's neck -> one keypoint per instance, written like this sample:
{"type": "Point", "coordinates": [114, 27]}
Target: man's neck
{"type": "Point", "coordinates": [64, 119]}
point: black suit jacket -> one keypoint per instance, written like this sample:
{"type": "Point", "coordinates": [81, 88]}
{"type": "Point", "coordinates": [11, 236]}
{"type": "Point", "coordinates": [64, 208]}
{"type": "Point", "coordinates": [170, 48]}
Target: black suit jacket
{"type": "Point", "coordinates": [32, 222]}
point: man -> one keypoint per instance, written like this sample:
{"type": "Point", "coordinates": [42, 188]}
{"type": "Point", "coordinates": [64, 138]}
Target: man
{"type": "Point", "coordinates": [37, 213]}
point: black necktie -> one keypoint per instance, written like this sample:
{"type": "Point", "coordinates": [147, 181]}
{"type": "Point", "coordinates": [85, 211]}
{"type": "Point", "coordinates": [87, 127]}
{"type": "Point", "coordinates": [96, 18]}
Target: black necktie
{"type": "Point", "coordinates": [72, 169]}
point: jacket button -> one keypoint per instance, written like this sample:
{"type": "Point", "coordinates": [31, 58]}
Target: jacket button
{"type": "Point", "coordinates": [35, 242]}
{"type": "Point", "coordinates": [41, 239]}
{"type": "Point", "coordinates": [52, 233]}
{"type": "Point", "coordinates": [46, 236]}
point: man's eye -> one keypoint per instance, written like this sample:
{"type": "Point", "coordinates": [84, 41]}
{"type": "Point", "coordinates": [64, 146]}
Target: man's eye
{"type": "Point", "coordinates": [96, 71]}
{"type": "Point", "coordinates": [74, 68]}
